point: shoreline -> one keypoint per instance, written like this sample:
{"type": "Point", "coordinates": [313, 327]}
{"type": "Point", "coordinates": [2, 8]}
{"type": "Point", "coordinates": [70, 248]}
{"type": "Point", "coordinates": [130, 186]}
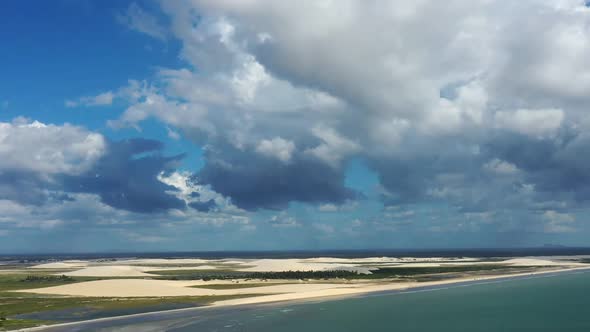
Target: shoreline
{"type": "Point", "coordinates": [386, 289]}
{"type": "Point", "coordinates": [318, 296]}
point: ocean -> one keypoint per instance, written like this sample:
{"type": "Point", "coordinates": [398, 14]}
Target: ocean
{"type": "Point", "coordinates": [542, 303]}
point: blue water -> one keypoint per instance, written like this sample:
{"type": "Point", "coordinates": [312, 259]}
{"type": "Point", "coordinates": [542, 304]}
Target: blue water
{"type": "Point", "coordinates": [555, 303]}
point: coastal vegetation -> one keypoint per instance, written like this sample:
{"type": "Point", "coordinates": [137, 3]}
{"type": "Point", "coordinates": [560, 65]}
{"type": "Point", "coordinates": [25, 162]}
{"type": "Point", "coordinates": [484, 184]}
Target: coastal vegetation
{"type": "Point", "coordinates": [377, 273]}
{"type": "Point", "coordinates": [14, 304]}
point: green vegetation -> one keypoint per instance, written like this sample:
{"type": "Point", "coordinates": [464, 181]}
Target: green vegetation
{"type": "Point", "coordinates": [15, 324]}
{"type": "Point", "coordinates": [412, 271]}
{"type": "Point", "coordinates": [305, 275]}
{"type": "Point", "coordinates": [27, 281]}
{"type": "Point", "coordinates": [16, 303]}
{"type": "Point", "coordinates": [13, 306]}
{"type": "Point", "coordinates": [42, 279]}
{"type": "Point", "coordinates": [380, 273]}
{"type": "Point", "coordinates": [200, 274]}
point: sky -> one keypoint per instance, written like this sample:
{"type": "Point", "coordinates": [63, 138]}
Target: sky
{"type": "Point", "coordinates": [293, 125]}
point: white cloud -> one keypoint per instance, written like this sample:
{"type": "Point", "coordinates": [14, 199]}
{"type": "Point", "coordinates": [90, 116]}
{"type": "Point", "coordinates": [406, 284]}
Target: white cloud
{"type": "Point", "coordinates": [328, 208]}
{"type": "Point", "coordinates": [47, 148]}
{"type": "Point", "coordinates": [371, 96]}
{"type": "Point", "coordinates": [147, 102]}
{"type": "Point", "coordinates": [536, 123]}
{"type": "Point", "coordinates": [186, 187]}
{"type": "Point", "coordinates": [277, 147]}
{"type": "Point", "coordinates": [348, 206]}
{"type": "Point", "coordinates": [500, 167]}
{"type": "Point", "coordinates": [334, 147]}
{"type": "Point", "coordinates": [283, 220]}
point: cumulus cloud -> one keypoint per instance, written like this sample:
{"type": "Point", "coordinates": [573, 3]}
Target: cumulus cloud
{"type": "Point", "coordinates": [478, 111]}
{"type": "Point", "coordinates": [45, 149]}
{"type": "Point", "coordinates": [333, 148]}
{"type": "Point", "coordinates": [43, 163]}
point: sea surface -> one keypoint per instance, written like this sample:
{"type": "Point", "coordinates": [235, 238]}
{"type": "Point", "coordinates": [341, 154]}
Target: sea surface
{"type": "Point", "coordinates": [558, 302]}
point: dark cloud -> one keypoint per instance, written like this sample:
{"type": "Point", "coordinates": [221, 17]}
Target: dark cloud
{"type": "Point", "coordinates": [254, 182]}
{"type": "Point", "coordinates": [412, 178]}
{"type": "Point", "coordinates": [405, 181]}
{"type": "Point", "coordinates": [126, 177]}
{"type": "Point", "coordinates": [546, 173]}
{"type": "Point", "coordinates": [23, 187]}
{"type": "Point", "coordinates": [556, 166]}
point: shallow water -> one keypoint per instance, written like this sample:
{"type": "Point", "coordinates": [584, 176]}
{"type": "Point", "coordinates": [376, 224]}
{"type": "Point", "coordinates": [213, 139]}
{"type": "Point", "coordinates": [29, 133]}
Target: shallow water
{"type": "Point", "coordinates": [548, 303]}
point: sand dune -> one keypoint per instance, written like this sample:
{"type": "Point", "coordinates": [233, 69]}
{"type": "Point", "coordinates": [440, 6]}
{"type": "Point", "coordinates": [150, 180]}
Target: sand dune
{"type": "Point", "coordinates": [128, 270]}
{"type": "Point", "coordinates": [143, 267]}
{"type": "Point", "coordinates": [174, 268]}
{"type": "Point", "coordinates": [386, 260]}
{"type": "Point", "coordinates": [110, 271]}
{"type": "Point", "coordinates": [60, 265]}
{"type": "Point", "coordinates": [538, 262]}
{"type": "Point", "coordinates": [280, 265]}
{"type": "Point", "coordinates": [163, 261]}
{"type": "Point", "coordinates": [146, 287]}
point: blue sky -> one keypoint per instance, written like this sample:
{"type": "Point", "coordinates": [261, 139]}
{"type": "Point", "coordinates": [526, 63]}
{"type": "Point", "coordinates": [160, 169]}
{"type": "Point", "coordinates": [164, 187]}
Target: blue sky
{"type": "Point", "coordinates": [230, 125]}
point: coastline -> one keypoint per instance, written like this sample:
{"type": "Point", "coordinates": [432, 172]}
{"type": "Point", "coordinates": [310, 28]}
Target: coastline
{"type": "Point", "coordinates": [318, 296]}
{"type": "Point", "coordinates": [388, 288]}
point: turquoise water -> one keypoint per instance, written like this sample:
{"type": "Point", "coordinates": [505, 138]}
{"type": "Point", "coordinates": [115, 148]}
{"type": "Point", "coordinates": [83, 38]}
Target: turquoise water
{"type": "Point", "coordinates": [559, 303]}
